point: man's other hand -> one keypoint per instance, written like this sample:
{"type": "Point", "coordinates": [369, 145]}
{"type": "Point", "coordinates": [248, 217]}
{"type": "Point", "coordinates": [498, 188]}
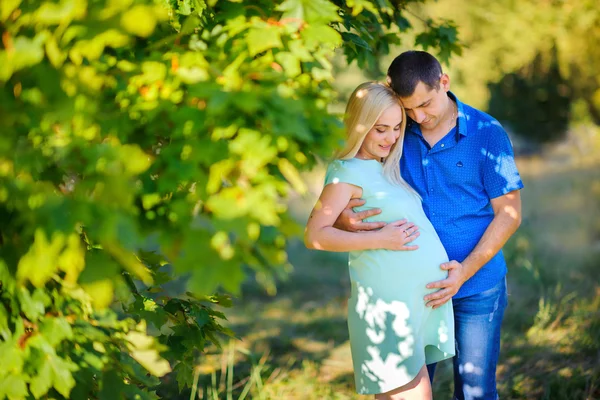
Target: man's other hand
{"type": "Point", "coordinates": [449, 286]}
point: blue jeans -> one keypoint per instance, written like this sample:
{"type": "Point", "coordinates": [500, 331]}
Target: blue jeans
{"type": "Point", "coordinates": [477, 321]}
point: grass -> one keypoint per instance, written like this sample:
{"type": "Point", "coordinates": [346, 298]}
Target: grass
{"type": "Point", "coordinates": [295, 345]}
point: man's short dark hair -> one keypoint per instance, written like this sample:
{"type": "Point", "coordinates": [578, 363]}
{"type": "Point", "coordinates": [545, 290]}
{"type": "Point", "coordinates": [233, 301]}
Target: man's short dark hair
{"type": "Point", "coordinates": [412, 67]}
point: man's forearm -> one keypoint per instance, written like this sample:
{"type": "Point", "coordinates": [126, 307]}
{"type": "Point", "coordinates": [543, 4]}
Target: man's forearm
{"type": "Point", "coordinates": [507, 218]}
{"type": "Point", "coordinates": [502, 227]}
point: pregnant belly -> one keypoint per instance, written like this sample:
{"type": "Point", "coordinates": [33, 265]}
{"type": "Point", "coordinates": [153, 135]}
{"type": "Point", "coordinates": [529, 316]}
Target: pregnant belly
{"type": "Point", "coordinates": [399, 271]}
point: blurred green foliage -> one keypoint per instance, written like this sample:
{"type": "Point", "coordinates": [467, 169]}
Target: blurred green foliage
{"type": "Point", "coordinates": [149, 142]}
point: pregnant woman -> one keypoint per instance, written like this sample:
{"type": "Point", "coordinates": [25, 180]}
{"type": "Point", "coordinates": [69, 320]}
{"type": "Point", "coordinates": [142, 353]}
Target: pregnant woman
{"type": "Point", "coordinates": [393, 335]}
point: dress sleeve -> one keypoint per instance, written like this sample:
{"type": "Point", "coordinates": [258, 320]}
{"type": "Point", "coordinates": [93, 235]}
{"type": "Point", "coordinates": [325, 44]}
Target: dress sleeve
{"type": "Point", "coordinates": [500, 172]}
{"type": "Point", "coordinates": [339, 171]}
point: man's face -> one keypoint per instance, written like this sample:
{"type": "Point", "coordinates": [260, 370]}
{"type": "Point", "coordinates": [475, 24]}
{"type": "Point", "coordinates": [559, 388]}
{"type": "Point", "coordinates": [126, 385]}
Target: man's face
{"type": "Point", "coordinates": [426, 106]}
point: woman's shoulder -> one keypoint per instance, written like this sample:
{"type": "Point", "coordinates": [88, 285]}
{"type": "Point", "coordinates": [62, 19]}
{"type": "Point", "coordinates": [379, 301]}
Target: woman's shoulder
{"type": "Point", "coordinates": [340, 164]}
{"type": "Point", "coordinates": [345, 171]}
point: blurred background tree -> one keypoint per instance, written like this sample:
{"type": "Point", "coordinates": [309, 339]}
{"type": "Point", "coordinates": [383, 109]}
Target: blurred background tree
{"type": "Point", "coordinates": [553, 43]}
{"type": "Point", "coordinates": [148, 148]}
{"type": "Point", "coordinates": [550, 44]}
{"type": "Point", "coordinates": [535, 101]}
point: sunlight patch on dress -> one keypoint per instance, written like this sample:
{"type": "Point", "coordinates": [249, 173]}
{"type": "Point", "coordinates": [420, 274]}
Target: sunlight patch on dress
{"type": "Point", "coordinates": [443, 332]}
{"type": "Point", "coordinates": [385, 370]}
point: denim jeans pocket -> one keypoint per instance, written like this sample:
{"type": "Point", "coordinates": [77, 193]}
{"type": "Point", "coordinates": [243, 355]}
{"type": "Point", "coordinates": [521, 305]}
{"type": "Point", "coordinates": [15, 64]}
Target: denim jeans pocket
{"type": "Point", "coordinates": [486, 302]}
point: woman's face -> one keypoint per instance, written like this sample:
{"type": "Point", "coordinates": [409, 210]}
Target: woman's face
{"type": "Point", "coordinates": [382, 136]}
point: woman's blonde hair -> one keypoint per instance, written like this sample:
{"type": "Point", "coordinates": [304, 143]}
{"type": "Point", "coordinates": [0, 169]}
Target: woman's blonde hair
{"type": "Point", "coordinates": [368, 101]}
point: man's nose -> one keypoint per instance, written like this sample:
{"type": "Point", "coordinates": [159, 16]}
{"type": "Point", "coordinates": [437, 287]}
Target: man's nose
{"type": "Point", "coordinates": [418, 116]}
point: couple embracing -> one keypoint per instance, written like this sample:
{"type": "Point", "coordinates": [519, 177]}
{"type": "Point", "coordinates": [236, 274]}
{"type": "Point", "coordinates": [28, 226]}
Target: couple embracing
{"type": "Point", "coordinates": [423, 196]}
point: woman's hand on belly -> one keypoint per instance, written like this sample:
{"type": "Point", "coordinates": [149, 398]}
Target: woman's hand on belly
{"type": "Point", "coordinates": [397, 235]}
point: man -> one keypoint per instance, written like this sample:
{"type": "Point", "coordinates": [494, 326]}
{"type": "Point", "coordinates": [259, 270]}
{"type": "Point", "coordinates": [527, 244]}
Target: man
{"type": "Point", "coordinates": [461, 162]}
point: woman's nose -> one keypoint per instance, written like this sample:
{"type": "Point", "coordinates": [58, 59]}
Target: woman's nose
{"type": "Point", "coordinates": [391, 137]}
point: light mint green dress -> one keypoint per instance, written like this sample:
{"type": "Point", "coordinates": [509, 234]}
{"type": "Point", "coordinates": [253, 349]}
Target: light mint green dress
{"type": "Point", "coordinates": [392, 333]}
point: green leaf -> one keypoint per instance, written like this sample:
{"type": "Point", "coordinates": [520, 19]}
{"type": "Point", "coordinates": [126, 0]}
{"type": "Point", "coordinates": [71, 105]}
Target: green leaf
{"type": "Point", "coordinates": [134, 159]}
{"type": "Point", "coordinates": [53, 14]}
{"type": "Point", "coordinates": [449, 32]}
{"type": "Point", "coordinates": [129, 261]}
{"type": "Point", "coordinates": [290, 63]}
{"type": "Point", "coordinates": [56, 330]}
{"type": "Point", "coordinates": [224, 300]}
{"type": "Point", "coordinates": [425, 39]}
{"type": "Point", "coordinates": [11, 357]}
{"type": "Point", "coordinates": [40, 295]}
{"type": "Point", "coordinates": [312, 11]}
{"type": "Point", "coordinates": [147, 309]}
{"type": "Point", "coordinates": [184, 7]}
{"type": "Point", "coordinates": [193, 68]}
{"type": "Point", "coordinates": [292, 9]}
{"type": "Point", "coordinates": [32, 308]}
{"type": "Point", "coordinates": [357, 40]}
{"type": "Point", "coordinates": [359, 5]}
{"type": "Point", "coordinates": [63, 380]}
{"type": "Point", "coordinates": [143, 349]}
{"type": "Point", "coordinates": [261, 39]}
{"type": "Point", "coordinates": [99, 266]}
{"type": "Point", "coordinates": [13, 387]}
{"type": "Point", "coordinates": [112, 386]}
{"type": "Point", "coordinates": [42, 381]}
{"type": "Point", "coordinates": [7, 7]}
{"type": "Point", "coordinates": [321, 35]}
{"type": "Point", "coordinates": [292, 175]}
{"type": "Point", "coordinates": [40, 262]}
{"type": "Point", "coordinates": [54, 54]}
{"type": "Point", "coordinates": [184, 374]}
{"type": "Point", "coordinates": [139, 20]}
{"type": "Point", "coordinates": [200, 316]}
{"type": "Point", "coordinates": [402, 23]}
{"type": "Point", "coordinates": [153, 72]}
{"type": "Point", "coordinates": [25, 53]}
{"type": "Point", "coordinates": [256, 149]}
{"type": "Point", "coordinates": [4, 330]}
{"type": "Point", "coordinates": [208, 278]}
{"type": "Point", "coordinates": [72, 259]}
{"type": "Point", "coordinates": [101, 292]}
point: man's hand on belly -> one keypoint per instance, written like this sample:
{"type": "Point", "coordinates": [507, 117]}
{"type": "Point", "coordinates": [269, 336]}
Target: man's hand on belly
{"type": "Point", "coordinates": [351, 221]}
{"type": "Point", "coordinates": [448, 287]}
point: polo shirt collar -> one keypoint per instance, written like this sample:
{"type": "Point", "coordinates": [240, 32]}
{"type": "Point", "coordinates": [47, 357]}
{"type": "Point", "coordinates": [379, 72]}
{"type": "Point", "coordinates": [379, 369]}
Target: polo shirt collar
{"type": "Point", "coordinates": [461, 122]}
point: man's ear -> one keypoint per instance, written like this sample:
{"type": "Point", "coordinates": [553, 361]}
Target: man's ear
{"type": "Point", "coordinates": [445, 82]}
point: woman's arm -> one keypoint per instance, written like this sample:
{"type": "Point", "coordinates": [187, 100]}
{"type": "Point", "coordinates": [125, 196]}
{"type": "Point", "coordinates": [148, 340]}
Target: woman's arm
{"type": "Point", "coordinates": [321, 235]}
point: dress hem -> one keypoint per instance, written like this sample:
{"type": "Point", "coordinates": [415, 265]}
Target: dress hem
{"type": "Point", "coordinates": [401, 383]}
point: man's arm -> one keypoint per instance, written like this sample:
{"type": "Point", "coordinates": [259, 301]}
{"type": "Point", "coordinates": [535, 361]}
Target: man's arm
{"type": "Point", "coordinates": [350, 221]}
{"type": "Point", "coordinates": [320, 234]}
{"type": "Point", "coordinates": [507, 218]}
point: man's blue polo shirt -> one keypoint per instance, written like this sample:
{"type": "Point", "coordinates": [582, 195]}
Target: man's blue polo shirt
{"type": "Point", "coordinates": [457, 178]}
